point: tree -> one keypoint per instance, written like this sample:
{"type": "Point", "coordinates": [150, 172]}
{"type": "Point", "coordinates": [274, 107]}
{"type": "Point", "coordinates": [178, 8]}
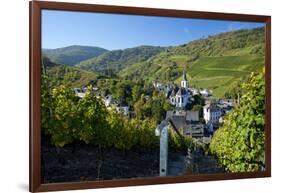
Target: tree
{"type": "Point", "coordinates": [122, 91]}
{"type": "Point", "coordinates": [63, 122]}
{"type": "Point", "coordinates": [139, 108]}
{"type": "Point", "coordinates": [93, 127]}
{"type": "Point", "coordinates": [46, 104]}
{"type": "Point", "coordinates": [145, 133]}
{"type": "Point", "coordinates": [154, 107]}
{"type": "Point", "coordinates": [198, 100]}
{"type": "Point", "coordinates": [136, 92]}
{"type": "Point", "coordinates": [239, 144]}
{"type": "Point", "coordinates": [92, 113]}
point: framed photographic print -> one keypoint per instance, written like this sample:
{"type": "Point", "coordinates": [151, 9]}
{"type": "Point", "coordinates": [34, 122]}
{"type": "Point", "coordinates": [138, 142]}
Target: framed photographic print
{"type": "Point", "coordinates": [123, 96]}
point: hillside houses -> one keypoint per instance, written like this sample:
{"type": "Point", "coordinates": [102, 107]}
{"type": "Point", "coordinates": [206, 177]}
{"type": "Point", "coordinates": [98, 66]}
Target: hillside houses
{"type": "Point", "coordinates": [189, 115]}
{"type": "Point", "coordinates": [108, 100]}
{"type": "Point", "coordinates": [80, 92]}
{"type": "Point", "coordinates": [205, 92]}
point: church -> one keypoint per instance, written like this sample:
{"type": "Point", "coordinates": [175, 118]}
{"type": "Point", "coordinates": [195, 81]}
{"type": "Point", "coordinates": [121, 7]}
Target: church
{"type": "Point", "coordinates": [180, 96]}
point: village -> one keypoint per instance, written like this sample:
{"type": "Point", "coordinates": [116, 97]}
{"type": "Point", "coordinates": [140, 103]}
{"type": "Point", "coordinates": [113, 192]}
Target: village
{"type": "Point", "coordinates": [199, 123]}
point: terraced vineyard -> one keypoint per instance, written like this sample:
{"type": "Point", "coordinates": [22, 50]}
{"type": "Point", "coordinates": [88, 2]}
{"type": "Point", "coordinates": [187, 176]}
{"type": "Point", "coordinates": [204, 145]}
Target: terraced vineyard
{"type": "Point", "coordinates": [222, 73]}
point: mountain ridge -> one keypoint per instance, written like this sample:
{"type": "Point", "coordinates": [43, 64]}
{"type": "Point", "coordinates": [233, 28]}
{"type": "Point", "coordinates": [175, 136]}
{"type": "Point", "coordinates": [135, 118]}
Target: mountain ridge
{"type": "Point", "coordinates": [115, 60]}
{"type": "Point", "coordinates": [71, 55]}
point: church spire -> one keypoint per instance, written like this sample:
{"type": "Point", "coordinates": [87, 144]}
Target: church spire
{"type": "Point", "coordinates": [184, 81]}
{"type": "Point", "coordinates": [183, 76]}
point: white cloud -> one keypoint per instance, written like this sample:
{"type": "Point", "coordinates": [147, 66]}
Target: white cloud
{"type": "Point", "coordinates": [236, 26]}
{"type": "Point", "coordinates": [186, 30]}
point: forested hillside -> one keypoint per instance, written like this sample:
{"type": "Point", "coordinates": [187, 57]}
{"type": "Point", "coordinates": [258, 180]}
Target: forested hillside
{"type": "Point", "coordinates": [114, 61]}
{"type": "Point", "coordinates": [67, 75]}
{"type": "Point", "coordinates": [72, 55]}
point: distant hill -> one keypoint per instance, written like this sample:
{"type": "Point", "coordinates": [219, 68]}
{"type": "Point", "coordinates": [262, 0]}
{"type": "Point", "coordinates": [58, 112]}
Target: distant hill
{"type": "Point", "coordinates": [63, 74]}
{"type": "Point", "coordinates": [217, 62]}
{"type": "Point", "coordinates": [72, 55]}
{"type": "Point", "coordinates": [116, 60]}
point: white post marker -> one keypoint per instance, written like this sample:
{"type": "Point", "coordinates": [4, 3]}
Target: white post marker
{"type": "Point", "coordinates": [162, 131]}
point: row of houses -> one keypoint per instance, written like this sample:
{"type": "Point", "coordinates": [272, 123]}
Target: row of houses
{"type": "Point", "coordinates": [108, 100]}
{"type": "Point", "coordinates": [189, 123]}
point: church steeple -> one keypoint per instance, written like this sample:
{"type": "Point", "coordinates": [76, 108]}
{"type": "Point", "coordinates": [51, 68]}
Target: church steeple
{"type": "Point", "coordinates": [184, 80]}
{"type": "Point", "coordinates": [183, 76]}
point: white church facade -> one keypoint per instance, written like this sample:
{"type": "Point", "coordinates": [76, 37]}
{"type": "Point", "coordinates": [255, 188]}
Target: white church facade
{"type": "Point", "coordinates": [180, 96]}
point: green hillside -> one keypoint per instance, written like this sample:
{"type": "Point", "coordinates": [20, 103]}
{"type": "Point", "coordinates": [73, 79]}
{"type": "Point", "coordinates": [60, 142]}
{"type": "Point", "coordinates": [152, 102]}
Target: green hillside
{"type": "Point", "coordinates": [63, 74]}
{"type": "Point", "coordinates": [222, 73]}
{"type": "Point", "coordinates": [217, 62]}
{"type": "Point", "coordinates": [113, 61]}
{"type": "Point", "coordinates": [72, 55]}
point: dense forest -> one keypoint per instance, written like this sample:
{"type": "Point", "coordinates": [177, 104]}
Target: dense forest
{"type": "Point", "coordinates": [72, 55]}
{"type": "Point", "coordinates": [114, 61]}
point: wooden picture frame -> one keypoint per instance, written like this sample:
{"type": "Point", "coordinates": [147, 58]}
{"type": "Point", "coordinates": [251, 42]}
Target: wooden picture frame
{"type": "Point", "coordinates": [35, 80]}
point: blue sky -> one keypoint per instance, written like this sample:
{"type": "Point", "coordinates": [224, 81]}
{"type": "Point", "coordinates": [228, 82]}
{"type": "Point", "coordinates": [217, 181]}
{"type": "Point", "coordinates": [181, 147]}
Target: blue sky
{"type": "Point", "coordinates": [112, 31]}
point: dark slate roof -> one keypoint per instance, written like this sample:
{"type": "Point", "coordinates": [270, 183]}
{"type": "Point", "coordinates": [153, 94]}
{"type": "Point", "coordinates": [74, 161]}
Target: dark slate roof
{"type": "Point", "coordinates": [182, 91]}
{"type": "Point", "coordinates": [179, 122]}
{"type": "Point", "coordinates": [212, 107]}
{"type": "Point", "coordinates": [174, 91]}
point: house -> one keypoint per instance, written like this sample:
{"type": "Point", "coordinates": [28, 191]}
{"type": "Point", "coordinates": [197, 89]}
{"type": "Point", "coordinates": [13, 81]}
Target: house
{"type": "Point", "coordinates": [194, 91]}
{"type": "Point", "coordinates": [123, 109]}
{"type": "Point", "coordinates": [79, 92]}
{"type": "Point", "coordinates": [226, 105]}
{"type": "Point", "coordinates": [192, 116]}
{"type": "Point", "coordinates": [205, 92]}
{"type": "Point", "coordinates": [228, 102]}
{"type": "Point", "coordinates": [158, 85]}
{"type": "Point", "coordinates": [194, 130]}
{"type": "Point", "coordinates": [108, 100]}
{"type": "Point", "coordinates": [212, 114]}
{"type": "Point", "coordinates": [95, 88]}
{"type": "Point", "coordinates": [187, 122]}
{"type": "Point", "coordinates": [180, 96]}
{"type": "Point", "coordinates": [210, 127]}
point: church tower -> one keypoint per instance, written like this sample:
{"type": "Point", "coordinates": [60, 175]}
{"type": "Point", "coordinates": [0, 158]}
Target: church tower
{"type": "Point", "coordinates": [184, 81]}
